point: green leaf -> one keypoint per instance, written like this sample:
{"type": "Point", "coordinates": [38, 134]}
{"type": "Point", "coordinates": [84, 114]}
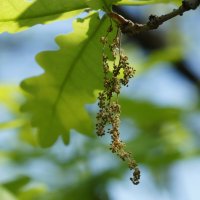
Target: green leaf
{"type": "Point", "coordinates": [136, 2]}
{"type": "Point", "coordinates": [12, 124]}
{"type": "Point", "coordinates": [9, 98]}
{"type": "Point", "coordinates": [169, 54]}
{"type": "Point", "coordinates": [18, 15]}
{"type": "Point", "coordinates": [72, 73]}
{"type": "Point", "coordinates": [15, 185]}
{"type": "Point", "coordinates": [148, 116]}
{"type": "Point", "coordinates": [144, 2]}
{"type": "Point", "coordinates": [161, 135]}
{"type": "Point", "coordinates": [107, 4]}
{"type": "Point", "coordinates": [33, 193]}
{"type": "Point", "coordinates": [4, 194]}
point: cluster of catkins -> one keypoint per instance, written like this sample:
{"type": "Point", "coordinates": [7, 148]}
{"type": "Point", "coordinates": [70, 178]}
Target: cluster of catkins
{"type": "Point", "coordinates": [109, 108]}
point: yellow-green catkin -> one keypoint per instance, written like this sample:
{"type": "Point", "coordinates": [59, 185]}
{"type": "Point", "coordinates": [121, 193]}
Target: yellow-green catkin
{"type": "Point", "coordinates": [109, 107]}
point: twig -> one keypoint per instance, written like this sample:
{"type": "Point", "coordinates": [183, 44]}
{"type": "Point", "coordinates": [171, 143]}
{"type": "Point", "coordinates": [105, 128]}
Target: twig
{"type": "Point", "coordinates": [154, 22]}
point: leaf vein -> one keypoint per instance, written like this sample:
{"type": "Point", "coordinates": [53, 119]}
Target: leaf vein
{"type": "Point", "coordinates": [70, 71]}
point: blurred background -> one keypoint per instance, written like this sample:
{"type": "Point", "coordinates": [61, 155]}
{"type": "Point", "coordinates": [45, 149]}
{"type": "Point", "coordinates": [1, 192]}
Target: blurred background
{"type": "Point", "coordinates": [160, 120]}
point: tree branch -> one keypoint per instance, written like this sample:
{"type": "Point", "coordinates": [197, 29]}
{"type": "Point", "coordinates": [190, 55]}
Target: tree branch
{"type": "Point", "coordinates": [154, 22]}
{"type": "Point", "coordinates": [151, 41]}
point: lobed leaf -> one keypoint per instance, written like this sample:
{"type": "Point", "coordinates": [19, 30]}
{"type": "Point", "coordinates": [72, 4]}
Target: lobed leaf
{"type": "Point", "coordinates": [71, 75]}
{"type": "Point", "coordinates": [18, 15]}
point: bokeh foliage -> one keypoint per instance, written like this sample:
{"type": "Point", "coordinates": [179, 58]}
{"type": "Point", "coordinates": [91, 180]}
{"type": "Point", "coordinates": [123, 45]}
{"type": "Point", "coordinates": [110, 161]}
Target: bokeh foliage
{"type": "Point", "coordinates": [158, 136]}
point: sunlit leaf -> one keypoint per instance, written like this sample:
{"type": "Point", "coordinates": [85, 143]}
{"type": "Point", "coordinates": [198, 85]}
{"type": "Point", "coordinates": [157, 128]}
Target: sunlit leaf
{"type": "Point", "coordinates": [107, 4]}
{"type": "Point", "coordinates": [32, 193]}
{"type": "Point", "coordinates": [71, 75]}
{"type": "Point", "coordinates": [18, 15]}
{"type": "Point", "coordinates": [4, 194]}
{"type": "Point", "coordinates": [7, 95]}
{"type": "Point", "coordinates": [145, 2]}
{"type": "Point", "coordinates": [12, 124]}
{"type": "Point", "coordinates": [11, 99]}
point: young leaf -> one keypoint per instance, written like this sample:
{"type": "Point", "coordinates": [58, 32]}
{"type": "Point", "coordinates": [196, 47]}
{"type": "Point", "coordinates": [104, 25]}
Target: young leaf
{"type": "Point", "coordinates": [18, 15]}
{"type": "Point", "coordinates": [144, 2]}
{"type": "Point", "coordinates": [71, 75]}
